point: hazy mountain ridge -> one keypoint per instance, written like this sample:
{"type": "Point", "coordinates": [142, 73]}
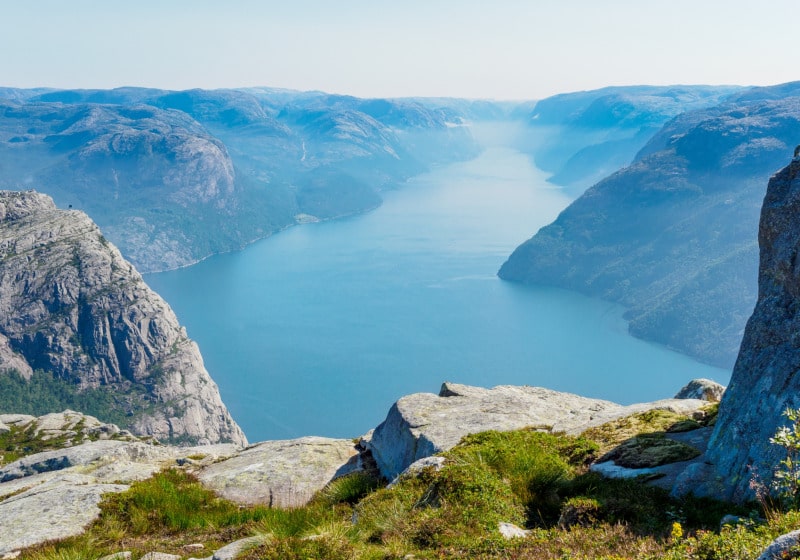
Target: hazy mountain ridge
{"type": "Point", "coordinates": [673, 236]}
{"type": "Point", "coordinates": [173, 177]}
{"type": "Point", "coordinates": [591, 134]}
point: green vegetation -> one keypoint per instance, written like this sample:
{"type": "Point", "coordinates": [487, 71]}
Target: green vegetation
{"type": "Point", "coordinates": [650, 450]}
{"type": "Point", "coordinates": [656, 421]}
{"type": "Point", "coordinates": [533, 479]}
{"type": "Point", "coordinates": [19, 442]}
{"type": "Point", "coordinates": [787, 473]}
{"type": "Point", "coordinates": [44, 393]}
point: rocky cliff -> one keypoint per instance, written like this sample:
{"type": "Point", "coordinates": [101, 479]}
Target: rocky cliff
{"type": "Point", "coordinates": [764, 381]}
{"type": "Point", "coordinates": [70, 305]}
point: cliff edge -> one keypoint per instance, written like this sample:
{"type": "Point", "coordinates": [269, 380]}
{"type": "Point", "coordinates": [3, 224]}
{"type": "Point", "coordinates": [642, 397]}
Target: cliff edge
{"type": "Point", "coordinates": [71, 306]}
{"type": "Point", "coordinates": [764, 380]}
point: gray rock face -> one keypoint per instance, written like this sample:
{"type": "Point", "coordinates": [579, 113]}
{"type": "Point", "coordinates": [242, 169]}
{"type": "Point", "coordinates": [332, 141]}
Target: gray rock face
{"type": "Point", "coordinates": [283, 473]}
{"type": "Point", "coordinates": [423, 424]}
{"type": "Point", "coordinates": [71, 305]}
{"type": "Point", "coordinates": [763, 383]}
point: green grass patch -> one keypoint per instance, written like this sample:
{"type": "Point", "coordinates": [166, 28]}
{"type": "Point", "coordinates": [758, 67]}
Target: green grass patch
{"type": "Point", "coordinates": [533, 479]}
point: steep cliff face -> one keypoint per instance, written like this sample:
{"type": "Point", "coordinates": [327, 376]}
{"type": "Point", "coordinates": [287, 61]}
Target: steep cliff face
{"type": "Point", "coordinates": [764, 381]}
{"type": "Point", "coordinates": [71, 305]}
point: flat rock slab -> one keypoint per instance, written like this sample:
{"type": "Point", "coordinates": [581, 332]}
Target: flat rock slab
{"type": "Point", "coordinates": [423, 424]}
{"type": "Point", "coordinates": [50, 511]}
{"type": "Point", "coordinates": [285, 473]}
{"type": "Point", "coordinates": [95, 452]}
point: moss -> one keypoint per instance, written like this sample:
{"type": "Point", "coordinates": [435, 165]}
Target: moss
{"type": "Point", "coordinates": [684, 426]}
{"type": "Point", "coordinates": [650, 450]}
{"type": "Point", "coordinates": [613, 433]}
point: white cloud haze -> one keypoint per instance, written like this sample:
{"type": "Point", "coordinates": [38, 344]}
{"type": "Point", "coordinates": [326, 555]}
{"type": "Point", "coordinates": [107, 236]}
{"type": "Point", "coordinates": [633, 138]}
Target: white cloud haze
{"type": "Point", "coordinates": [510, 49]}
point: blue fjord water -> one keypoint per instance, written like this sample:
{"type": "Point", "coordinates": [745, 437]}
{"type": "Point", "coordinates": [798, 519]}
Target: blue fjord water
{"type": "Point", "coordinates": [317, 330]}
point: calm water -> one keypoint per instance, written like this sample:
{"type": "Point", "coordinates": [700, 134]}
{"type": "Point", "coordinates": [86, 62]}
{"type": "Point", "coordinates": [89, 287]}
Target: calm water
{"type": "Point", "coordinates": [319, 329]}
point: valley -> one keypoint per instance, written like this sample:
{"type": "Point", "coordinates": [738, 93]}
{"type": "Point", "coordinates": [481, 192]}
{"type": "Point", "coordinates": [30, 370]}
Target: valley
{"type": "Point", "coordinates": [318, 329]}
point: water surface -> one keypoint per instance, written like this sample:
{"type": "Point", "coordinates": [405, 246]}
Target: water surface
{"type": "Point", "coordinates": [318, 329]}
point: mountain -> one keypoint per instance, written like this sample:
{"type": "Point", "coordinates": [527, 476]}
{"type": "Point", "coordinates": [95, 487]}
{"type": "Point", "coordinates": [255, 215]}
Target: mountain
{"type": "Point", "coordinates": [72, 309]}
{"type": "Point", "coordinates": [672, 236]}
{"type": "Point", "coordinates": [173, 177]}
{"type": "Point", "coordinates": [582, 137]}
{"type": "Point", "coordinates": [764, 381]}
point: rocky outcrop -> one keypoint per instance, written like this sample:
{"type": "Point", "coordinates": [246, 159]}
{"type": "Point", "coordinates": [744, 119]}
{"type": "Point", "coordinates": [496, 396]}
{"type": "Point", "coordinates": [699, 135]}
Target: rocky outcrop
{"type": "Point", "coordinates": [282, 473]}
{"type": "Point", "coordinates": [55, 493]}
{"type": "Point", "coordinates": [422, 424]}
{"type": "Point", "coordinates": [72, 306]}
{"type": "Point", "coordinates": [764, 382]}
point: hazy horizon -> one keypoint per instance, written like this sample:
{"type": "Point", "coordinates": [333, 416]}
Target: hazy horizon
{"type": "Point", "coordinates": [515, 50]}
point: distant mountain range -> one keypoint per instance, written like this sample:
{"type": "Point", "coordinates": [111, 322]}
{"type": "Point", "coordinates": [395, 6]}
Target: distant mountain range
{"type": "Point", "coordinates": [173, 177]}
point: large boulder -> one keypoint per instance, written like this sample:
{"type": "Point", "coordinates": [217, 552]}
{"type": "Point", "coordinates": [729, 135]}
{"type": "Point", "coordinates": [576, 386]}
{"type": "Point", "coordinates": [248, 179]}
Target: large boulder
{"type": "Point", "coordinates": [284, 473]}
{"type": "Point", "coordinates": [423, 424]}
{"type": "Point", "coordinates": [703, 389]}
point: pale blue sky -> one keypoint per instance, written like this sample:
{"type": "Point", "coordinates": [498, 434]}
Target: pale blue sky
{"type": "Point", "coordinates": [502, 49]}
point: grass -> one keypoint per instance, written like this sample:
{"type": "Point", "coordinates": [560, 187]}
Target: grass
{"type": "Point", "coordinates": [533, 479]}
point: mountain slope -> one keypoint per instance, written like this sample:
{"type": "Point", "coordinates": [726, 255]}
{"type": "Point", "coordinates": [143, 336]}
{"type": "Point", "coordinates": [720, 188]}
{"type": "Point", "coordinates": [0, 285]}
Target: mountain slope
{"type": "Point", "coordinates": [582, 137]}
{"type": "Point", "coordinates": [672, 236]}
{"type": "Point", "coordinates": [70, 305]}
